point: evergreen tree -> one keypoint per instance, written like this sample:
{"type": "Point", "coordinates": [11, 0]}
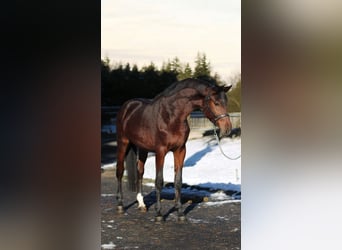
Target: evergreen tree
{"type": "Point", "coordinates": [202, 67]}
{"type": "Point", "coordinates": [127, 68]}
{"type": "Point", "coordinates": [176, 65]}
{"type": "Point", "coordinates": [166, 67]}
{"type": "Point", "coordinates": [185, 72]}
{"type": "Point", "coordinates": [105, 79]}
{"type": "Point", "coordinates": [234, 96]}
{"type": "Point", "coordinates": [121, 82]}
{"type": "Point", "coordinates": [218, 79]}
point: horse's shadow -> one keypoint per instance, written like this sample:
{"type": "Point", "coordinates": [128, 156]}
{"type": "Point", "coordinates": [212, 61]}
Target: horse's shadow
{"type": "Point", "coordinates": [151, 199]}
{"type": "Point", "coordinates": [196, 157]}
{"type": "Point", "coordinates": [192, 160]}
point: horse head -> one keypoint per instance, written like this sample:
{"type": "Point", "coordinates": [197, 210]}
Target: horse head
{"type": "Point", "coordinates": [215, 108]}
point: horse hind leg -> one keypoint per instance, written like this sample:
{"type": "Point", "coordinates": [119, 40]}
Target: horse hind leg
{"type": "Point", "coordinates": [131, 160]}
{"type": "Point", "coordinates": [140, 168]}
{"type": "Point", "coordinates": [121, 151]}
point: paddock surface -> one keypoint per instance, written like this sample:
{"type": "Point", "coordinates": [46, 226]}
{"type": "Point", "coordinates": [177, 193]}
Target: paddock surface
{"type": "Point", "coordinates": [208, 225]}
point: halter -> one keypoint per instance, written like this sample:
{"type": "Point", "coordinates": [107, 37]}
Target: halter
{"type": "Point", "coordinates": [214, 117]}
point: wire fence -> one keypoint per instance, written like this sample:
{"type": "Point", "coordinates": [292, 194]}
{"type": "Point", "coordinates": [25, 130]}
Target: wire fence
{"type": "Point", "coordinates": [196, 119]}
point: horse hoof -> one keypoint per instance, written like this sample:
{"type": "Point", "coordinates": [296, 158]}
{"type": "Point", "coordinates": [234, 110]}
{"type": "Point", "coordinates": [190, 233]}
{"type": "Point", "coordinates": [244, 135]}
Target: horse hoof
{"type": "Point", "coordinates": [120, 209]}
{"type": "Point", "coordinates": [159, 218]}
{"type": "Point", "coordinates": [142, 209]}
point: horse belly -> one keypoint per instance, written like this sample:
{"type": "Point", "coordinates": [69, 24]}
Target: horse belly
{"type": "Point", "coordinates": [142, 140]}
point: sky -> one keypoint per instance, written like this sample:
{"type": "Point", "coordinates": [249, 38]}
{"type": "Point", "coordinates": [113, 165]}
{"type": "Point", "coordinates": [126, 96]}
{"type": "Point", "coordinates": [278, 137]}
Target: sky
{"type": "Point", "coordinates": [148, 31]}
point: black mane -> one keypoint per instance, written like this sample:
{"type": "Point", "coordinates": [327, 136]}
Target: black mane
{"type": "Point", "coordinates": [186, 83]}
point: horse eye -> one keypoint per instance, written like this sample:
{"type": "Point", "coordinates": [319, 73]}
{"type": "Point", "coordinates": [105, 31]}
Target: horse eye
{"type": "Point", "coordinates": [217, 103]}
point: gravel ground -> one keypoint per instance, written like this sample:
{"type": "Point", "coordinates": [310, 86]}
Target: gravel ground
{"type": "Point", "coordinates": [207, 226]}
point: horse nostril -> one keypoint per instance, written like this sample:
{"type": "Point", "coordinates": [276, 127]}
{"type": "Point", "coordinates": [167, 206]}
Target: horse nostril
{"type": "Point", "coordinates": [224, 132]}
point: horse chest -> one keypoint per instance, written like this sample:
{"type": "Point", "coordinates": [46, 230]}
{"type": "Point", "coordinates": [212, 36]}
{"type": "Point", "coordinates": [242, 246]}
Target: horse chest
{"type": "Point", "coordinates": [177, 135]}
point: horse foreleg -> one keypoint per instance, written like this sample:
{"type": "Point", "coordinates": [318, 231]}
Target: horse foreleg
{"type": "Point", "coordinates": [179, 156]}
{"type": "Point", "coordinates": [122, 147]}
{"type": "Point", "coordinates": [140, 169]}
{"type": "Point", "coordinates": [159, 182]}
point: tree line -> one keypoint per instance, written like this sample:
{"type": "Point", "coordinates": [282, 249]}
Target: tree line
{"type": "Point", "coordinates": [121, 82]}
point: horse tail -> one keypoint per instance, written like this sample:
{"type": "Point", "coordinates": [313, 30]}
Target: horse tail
{"type": "Point", "coordinates": [131, 167]}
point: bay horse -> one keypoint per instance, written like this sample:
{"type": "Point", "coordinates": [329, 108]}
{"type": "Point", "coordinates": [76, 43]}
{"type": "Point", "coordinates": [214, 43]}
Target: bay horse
{"type": "Point", "coordinates": [160, 125]}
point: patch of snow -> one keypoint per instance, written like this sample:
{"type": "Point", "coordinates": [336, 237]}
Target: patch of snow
{"type": "Point", "coordinates": [196, 221]}
{"type": "Point", "coordinates": [218, 203]}
{"type": "Point", "coordinates": [204, 165]}
{"type": "Point", "coordinates": [220, 196]}
{"type": "Point", "coordinates": [106, 195]}
{"type": "Point", "coordinates": [222, 218]}
{"type": "Point", "coordinates": [108, 246]}
{"type": "Point", "coordinates": [108, 165]}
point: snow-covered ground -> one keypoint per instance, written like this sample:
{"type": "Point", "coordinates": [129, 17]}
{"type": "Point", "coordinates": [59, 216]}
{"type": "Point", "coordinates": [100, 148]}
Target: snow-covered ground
{"type": "Point", "coordinates": [204, 164]}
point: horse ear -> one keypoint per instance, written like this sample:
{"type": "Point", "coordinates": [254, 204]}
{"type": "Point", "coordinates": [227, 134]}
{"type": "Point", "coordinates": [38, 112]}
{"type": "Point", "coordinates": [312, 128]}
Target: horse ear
{"type": "Point", "coordinates": [226, 88]}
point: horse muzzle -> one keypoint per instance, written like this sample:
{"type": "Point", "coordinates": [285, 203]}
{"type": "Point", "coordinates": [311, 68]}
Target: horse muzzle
{"type": "Point", "coordinates": [224, 124]}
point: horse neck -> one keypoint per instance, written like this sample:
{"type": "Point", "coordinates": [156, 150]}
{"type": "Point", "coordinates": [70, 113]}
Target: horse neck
{"type": "Point", "coordinates": [180, 106]}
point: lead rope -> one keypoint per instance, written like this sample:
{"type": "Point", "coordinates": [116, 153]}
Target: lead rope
{"type": "Point", "coordinates": [218, 143]}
